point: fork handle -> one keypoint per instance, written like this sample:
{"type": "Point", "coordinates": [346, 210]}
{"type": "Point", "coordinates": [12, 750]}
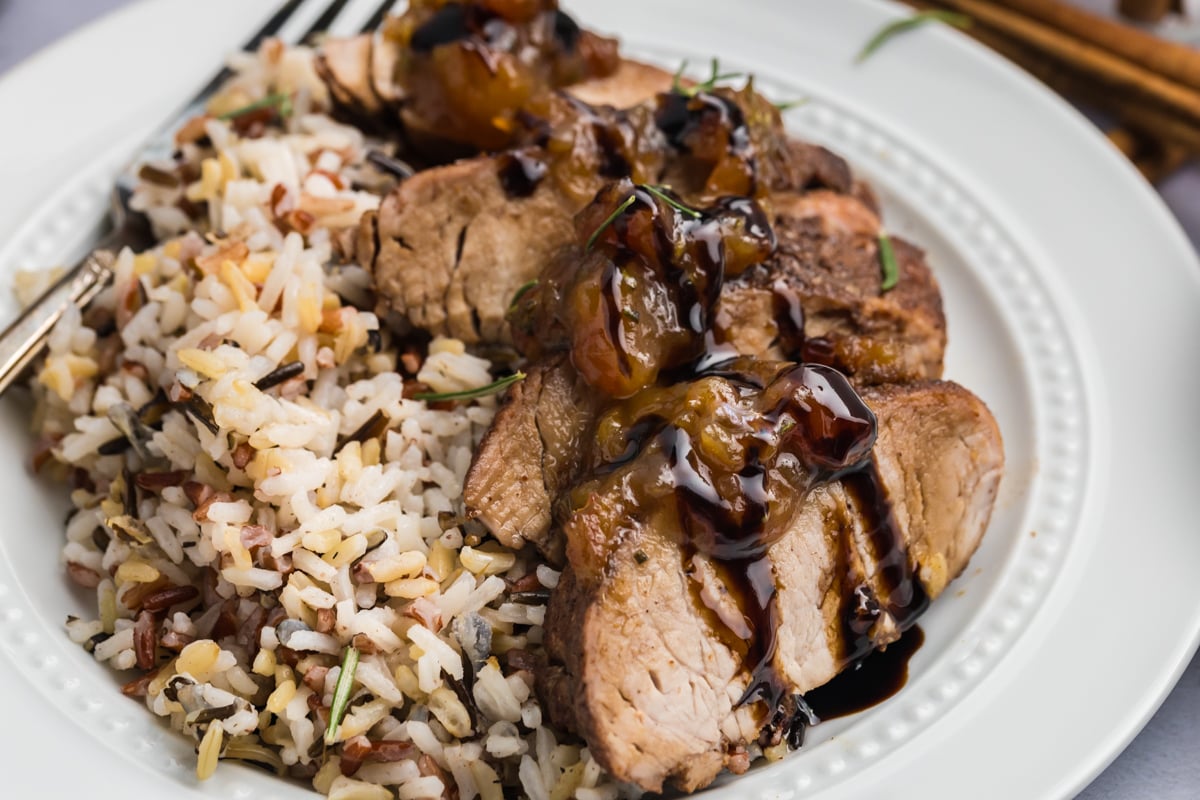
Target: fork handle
{"type": "Point", "coordinates": [23, 340]}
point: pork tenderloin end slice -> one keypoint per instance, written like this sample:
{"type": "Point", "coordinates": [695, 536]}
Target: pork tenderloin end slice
{"type": "Point", "coordinates": [449, 247]}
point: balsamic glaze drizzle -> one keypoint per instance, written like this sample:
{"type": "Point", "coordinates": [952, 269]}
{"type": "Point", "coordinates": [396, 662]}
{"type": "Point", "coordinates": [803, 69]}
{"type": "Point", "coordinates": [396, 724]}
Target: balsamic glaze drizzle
{"type": "Point", "coordinates": [878, 676]}
{"type": "Point", "coordinates": [803, 421]}
{"type": "Point", "coordinates": [520, 172]}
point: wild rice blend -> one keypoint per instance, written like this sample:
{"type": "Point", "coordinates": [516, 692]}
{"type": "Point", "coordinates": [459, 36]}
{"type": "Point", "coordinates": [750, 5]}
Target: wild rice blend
{"type": "Point", "coordinates": [259, 501]}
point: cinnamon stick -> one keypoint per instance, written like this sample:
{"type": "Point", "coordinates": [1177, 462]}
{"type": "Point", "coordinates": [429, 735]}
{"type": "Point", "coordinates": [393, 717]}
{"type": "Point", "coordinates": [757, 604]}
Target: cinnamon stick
{"type": "Point", "coordinates": [1168, 59]}
{"type": "Point", "coordinates": [1163, 163]}
{"type": "Point", "coordinates": [1086, 61]}
{"type": "Point", "coordinates": [1147, 118]}
{"type": "Point", "coordinates": [1155, 159]}
{"type": "Point", "coordinates": [1124, 140]}
{"type": "Point", "coordinates": [1145, 10]}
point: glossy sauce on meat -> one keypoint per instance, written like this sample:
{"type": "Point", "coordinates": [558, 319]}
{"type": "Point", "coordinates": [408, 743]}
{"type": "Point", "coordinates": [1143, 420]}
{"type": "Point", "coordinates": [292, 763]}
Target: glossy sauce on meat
{"type": "Point", "coordinates": [725, 459]}
{"type": "Point", "coordinates": [695, 441]}
{"type": "Point", "coordinates": [636, 298]}
{"type": "Point", "coordinates": [521, 171]}
{"type": "Point", "coordinates": [472, 66]}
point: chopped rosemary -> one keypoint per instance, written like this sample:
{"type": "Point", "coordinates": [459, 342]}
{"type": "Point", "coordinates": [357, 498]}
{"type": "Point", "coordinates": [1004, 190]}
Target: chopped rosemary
{"type": "Point", "coordinates": [715, 76]}
{"type": "Point", "coordinates": [616, 213]}
{"type": "Point", "coordinates": [672, 202]}
{"type": "Point", "coordinates": [522, 290]}
{"type": "Point", "coordinates": [471, 394]}
{"type": "Point", "coordinates": [341, 694]}
{"type": "Point", "coordinates": [656, 191]}
{"type": "Point", "coordinates": [899, 26]}
{"type": "Point", "coordinates": [788, 105]}
{"type": "Point", "coordinates": [888, 267]}
{"type": "Point", "coordinates": [277, 100]}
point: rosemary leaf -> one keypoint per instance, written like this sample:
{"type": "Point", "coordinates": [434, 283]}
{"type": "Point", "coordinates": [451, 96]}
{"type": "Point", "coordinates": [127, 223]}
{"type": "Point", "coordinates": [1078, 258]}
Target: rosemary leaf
{"type": "Point", "coordinates": [788, 105]}
{"type": "Point", "coordinates": [279, 101]}
{"type": "Point", "coordinates": [616, 213]}
{"type": "Point", "coordinates": [341, 694]}
{"type": "Point", "coordinates": [671, 201]}
{"type": "Point", "coordinates": [677, 78]}
{"type": "Point", "coordinates": [471, 394]}
{"type": "Point", "coordinates": [715, 75]}
{"type": "Point", "coordinates": [522, 290]}
{"type": "Point", "coordinates": [892, 29]}
{"type": "Point", "coordinates": [888, 267]}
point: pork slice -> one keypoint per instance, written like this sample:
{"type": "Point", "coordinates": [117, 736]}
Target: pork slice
{"type": "Point", "coordinates": [810, 166]}
{"type": "Point", "coordinates": [940, 458]}
{"type": "Point", "coordinates": [530, 455]}
{"type": "Point", "coordinates": [449, 247]}
{"type": "Point", "coordinates": [945, 510]}
{"type": "Point", "coordinates": [828, 265]}
{"type": "Point", "coordinates": [633, 82]}
{"type": "Point", "coordinates": [644, 671]}
{"type": "Point", "coordinates": [345, 66]}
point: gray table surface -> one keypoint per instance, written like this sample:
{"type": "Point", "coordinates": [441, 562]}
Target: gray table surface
{"type": "Point", "coordinates": [1163, 762]}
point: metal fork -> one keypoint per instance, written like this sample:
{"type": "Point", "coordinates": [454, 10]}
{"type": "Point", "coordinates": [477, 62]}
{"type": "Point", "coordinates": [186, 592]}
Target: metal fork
{"type": "Point", "coordinates": [25, 339]}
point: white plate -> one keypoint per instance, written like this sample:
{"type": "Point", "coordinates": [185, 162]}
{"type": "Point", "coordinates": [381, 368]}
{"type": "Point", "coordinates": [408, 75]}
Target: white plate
{"type": "Point", "coordinates": [1072, 300]}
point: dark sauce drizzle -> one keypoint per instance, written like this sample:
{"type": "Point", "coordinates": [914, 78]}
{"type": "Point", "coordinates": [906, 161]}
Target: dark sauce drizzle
{"type": "Point", "coordinates": [877, 677]}
{"type": "Point", "coordinates": [737, 539]}
{"type": "Point", "coordinates": [835, 432]}
{"type": "Point", "coordinates": [680, 116]}
{"type": "Point", "coordinates": [520, 172]}
{"type": "Point", "coordinates": [869, 676]}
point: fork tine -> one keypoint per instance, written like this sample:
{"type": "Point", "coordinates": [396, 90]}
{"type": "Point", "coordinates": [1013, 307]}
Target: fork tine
{"type": "Point", "coordinates": [326, 20]}
{"type": "Point", "coordinates": [377, 17]}
{"type": "Point", "coordinates": [272, 26]}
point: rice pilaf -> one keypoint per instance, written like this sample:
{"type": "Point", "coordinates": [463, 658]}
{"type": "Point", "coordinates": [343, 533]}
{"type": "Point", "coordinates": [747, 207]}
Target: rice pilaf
{"type": "Point", "coordinates": [259, 501]}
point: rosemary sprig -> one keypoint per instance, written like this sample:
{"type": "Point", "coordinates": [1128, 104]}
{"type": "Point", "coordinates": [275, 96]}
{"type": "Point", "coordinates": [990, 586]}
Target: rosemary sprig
{"type": "Point", "coordinates": [715, 76]}
{"type": "Point", "coordinates": [892, 29]}
{"type": "Point", "coordinates": [277, 100]}
{"type": "Point", "coordinates": [888, 267]}
{"type": "Point", "coordinates": [341, 694]}
{"type": "Point", "coordinates": [671, 201]}
{"type": "Point", "coordinates": [522, 290]}
{"type": "Point", "coordinates": [471, 394]}
{"type": "Point", "coordinates": [618, 211]}
{"type": "Point", "coordinates": [656, 191]}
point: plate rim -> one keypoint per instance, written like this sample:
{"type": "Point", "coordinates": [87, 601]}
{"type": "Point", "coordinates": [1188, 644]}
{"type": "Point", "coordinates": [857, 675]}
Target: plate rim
{"type": "Point", "coordinates": [1153, 700]}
